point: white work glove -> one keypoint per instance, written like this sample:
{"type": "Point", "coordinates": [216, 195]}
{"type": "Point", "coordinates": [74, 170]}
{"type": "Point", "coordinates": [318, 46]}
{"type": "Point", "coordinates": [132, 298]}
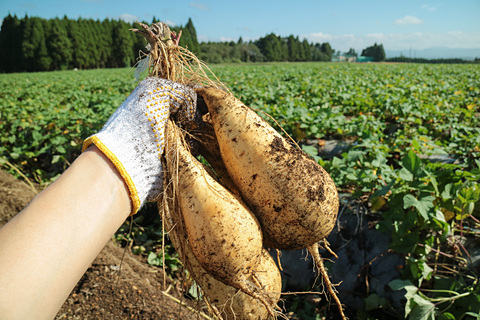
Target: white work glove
{"type": "Point", "coordinates": [133, 137]}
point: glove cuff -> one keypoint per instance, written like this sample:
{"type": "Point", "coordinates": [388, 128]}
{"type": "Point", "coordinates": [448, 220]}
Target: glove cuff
{"type": "Point", "coordinates": [133, 194]}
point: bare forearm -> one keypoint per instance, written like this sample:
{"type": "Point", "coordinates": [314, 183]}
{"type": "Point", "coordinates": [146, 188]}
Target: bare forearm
{"type": "Point", "coordinates": [45, 250]}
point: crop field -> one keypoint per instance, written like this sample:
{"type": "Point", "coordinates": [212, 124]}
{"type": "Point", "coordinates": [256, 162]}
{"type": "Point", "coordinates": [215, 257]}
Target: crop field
{"type": "Point", "coordinates": [410, 137]}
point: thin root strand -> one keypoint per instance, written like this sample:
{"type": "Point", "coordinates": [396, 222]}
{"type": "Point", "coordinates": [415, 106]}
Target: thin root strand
{"type": "Point", "coordinates": [313, 249]}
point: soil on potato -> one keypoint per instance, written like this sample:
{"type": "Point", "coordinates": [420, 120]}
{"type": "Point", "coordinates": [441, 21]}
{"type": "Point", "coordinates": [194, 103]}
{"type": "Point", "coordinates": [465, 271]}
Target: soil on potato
{"type": "Point", "coordinates": [135, 292]}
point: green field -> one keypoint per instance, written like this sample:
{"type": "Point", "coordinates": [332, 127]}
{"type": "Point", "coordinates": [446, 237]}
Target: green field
{"type": "Point", "coordinates": [398, 119]}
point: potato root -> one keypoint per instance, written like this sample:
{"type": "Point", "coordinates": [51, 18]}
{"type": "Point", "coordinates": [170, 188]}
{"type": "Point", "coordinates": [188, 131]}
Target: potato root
{"type": "Point", "coordinates": [225, 301]}
{"type": "Point", "coordinates": [224, 235]}
{"type": "Point", "coordinates": [216, 235]}
{"type": "Point", "coordinates": [294, 198]}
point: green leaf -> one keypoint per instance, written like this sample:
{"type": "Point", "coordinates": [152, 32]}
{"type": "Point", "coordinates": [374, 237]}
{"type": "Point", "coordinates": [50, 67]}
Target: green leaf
{"type": "Point", "coordinates": [61, 149]}
{"type": "Point", "coordinates": [373, 302]}
{"type": "Point", "coordinates": [56, 158]}
{"type": "Point", "coordinates": [433, 181]}
{"type": "Point", "coordinates": [440, 216]}
{"type": "Point", "coordinates": [406, 175]}
{"type": "Point", "coordinates": [37, 136]}
{"type": "Point", "coordinates": [447, 192]}
{"type": "Point", "coordinates": [426, 271]}
{"type": "Point", "coordinates": [354, 155]}
{"type": "Point", "coordinates": [416, 145]}
{"type": "Point", "coordinates": [411, 162]}
{"type": "Point", "coordinates": [410, 289]}
{"type": "Point", "coordinates": [153, 259]}
{"type": "Point", "coordinates": [311, 151]}
{"type": "Point", "coordinates": [448, 316]}
{"type": "Point", "coordinates": [195, 292]}
{"type": "Point", "coordinates": [407, 285]}
{"type": "Point", "coordinates": [473, 314]}
{"type": "Point", "coordinates": [384, 190]}
{"type": "Point", "coordinates": [422, 310]}
{"type": "Point", "coordinates": [423, 205]}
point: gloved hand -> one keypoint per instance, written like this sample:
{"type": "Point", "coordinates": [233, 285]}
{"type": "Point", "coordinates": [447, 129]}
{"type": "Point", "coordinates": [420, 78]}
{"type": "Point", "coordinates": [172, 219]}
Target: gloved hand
{"type": "Point", "coordinates": [133, 137]}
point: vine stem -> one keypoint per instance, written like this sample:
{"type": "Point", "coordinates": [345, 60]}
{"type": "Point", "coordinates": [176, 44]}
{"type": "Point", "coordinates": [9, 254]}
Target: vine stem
{"type": "Point", "coordinates": [35, 191]}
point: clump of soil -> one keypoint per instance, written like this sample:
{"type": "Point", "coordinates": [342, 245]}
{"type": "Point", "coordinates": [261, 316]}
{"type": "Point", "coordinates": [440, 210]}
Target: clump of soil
{"type": "Point", "coordinates": [118, 284]}
{"type": "Point", "coordinates": [14, 196]}
{"type": "Point", "coordinates": [134, 292]}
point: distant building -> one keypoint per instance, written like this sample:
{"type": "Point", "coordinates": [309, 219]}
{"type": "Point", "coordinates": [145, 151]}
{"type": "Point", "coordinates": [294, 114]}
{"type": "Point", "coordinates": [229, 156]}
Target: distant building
{"type": "Point", "coordinates": [351, 58]}
{"type": "Point", "coordinates": [344, 58]}
{"type": "Point", "coordinates": [365, 59]}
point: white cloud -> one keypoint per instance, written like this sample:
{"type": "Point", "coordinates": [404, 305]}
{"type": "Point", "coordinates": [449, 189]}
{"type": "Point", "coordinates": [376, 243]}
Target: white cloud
{"type": "Point", "coordinates": [428, 7]}
{"type": "Point", "coordinates": [130, 18]}
{"type": "Point", "coordinates": [398, 41]}
{"type": "Point", "coordinates": [408, 20]}
{"type": "Point", "coordinates": [203, 38]}
{"type": "Point", "coordinates": [200, 6]}
{"type": "Point", "coordinates": [170, 23]}
{"type": "Point", "coordinates": [319, 37]}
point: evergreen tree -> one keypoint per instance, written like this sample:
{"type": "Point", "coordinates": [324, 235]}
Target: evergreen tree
{"type": "Point", "coordinates": [79, 46]}
{"type": "Point", "coordinates": [189, 37]}
{"type": "Point", "coordinates": [327, 49]}
{"type": "Point", "coordinates": [376, 52]}
{"type": "Point", "coordinates": [293, 48]}
{"type": "Point", "coordinates": [104, 42]}
{"type": "Point", "coordinates": [34, 49]}
{"type": "Point", "coordinates": [88, 32]}
{"type": "Point", "coordinates": [351, 52]}
{"type": "Point", "coordinates": [43, 59]}
{"type": "Point", "coordinates": [273, 48]}
{"type": "Point", "coordinates": [193, 35]}
{"type": "Point", "coordinates": [380, 56]}
{"type": "Point", "coordinates": [122, 46]}
{"type": "Point", "coordinates": [306, 52]}
{"type": "Point", "coordinates": [10, 45]}
{"type": "Point", "coordinates": [254, 54]}
{"type": "Point", "coordinates": [321, 52]}
{"type": "Point", "coordinates": [59, 45]}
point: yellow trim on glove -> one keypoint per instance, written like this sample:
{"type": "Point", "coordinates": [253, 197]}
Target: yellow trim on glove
{"type": "Point", "coordinates": [121, 169]}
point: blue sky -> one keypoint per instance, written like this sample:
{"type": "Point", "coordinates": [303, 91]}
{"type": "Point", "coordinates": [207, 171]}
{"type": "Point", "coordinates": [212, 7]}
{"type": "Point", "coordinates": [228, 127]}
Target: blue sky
{"type": "Point", "coordinates": [398, 25]}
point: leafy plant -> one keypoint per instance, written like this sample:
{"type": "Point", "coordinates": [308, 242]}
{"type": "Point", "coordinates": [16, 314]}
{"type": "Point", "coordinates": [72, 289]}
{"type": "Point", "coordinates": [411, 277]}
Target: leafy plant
{"type": "Point", "coordinates": [413, 155]}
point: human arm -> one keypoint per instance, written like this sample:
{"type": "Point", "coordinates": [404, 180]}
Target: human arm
{"type": "Point", "coordinates": [46, 248]}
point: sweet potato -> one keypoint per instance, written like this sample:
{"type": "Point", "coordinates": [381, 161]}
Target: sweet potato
{"type": "Point", "coordinates": [225, 301]}
{"type": "Point", "coordinates": [223, 234]}
{"type": "Point", "coordinates": [294, 198]}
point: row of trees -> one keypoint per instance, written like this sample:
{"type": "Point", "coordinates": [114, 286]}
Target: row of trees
{"type": "Point", "coordinates": [268, 48]}
{"type": "Point", "coordinates": [433, 61]}
{"type": "Point", "coordinates": [36, 44]}
{"type": "Point", "coordinates": [376, 52]}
